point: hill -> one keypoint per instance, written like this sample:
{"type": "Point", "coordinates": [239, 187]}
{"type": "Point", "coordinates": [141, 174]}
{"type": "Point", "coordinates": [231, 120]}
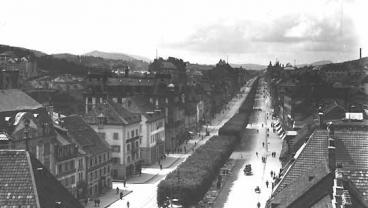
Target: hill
{"type": "Point", "coordinates": [116, 56]}
{"type": "Point", "coordinates": [317, 63]}
{"type": "Point", "coordinates": [250, 66]}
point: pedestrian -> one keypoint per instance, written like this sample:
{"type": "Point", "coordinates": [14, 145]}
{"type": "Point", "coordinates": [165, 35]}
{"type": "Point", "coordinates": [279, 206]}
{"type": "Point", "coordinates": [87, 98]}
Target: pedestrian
{"type": "Point", "coordinates": [267, 184]}
{"type": "Point", "coordinates": [98, 201]}
{"type": "Point", "coordinates": [117, 190]}
{"type": "Point", "coordinates": [160, 166]}
{"type": "Point", "coordinates": [185, 149]}
{"type": "Point", "coordinates": [121, 195]}
{"type": "Point", "coordinates": [258, 205]}
{"type": "Point", "coordinates": [257, 154]}
{"type": "Point", "coordinates": [262, 144]}
{"type": "Point", "coordinates": [86, 201]}
{"type": "Point", "coordinates": [124, 182]}
{"type": "Point", "coordinates": [128, 204]}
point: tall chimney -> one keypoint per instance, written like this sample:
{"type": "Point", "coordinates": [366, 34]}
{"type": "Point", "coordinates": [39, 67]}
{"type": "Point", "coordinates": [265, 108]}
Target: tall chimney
{"type": "Point", "coordinates": [360, 53]}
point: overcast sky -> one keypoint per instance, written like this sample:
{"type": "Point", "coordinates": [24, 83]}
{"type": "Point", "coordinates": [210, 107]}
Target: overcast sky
{"type": "Point", "coordinates": [199, 31]}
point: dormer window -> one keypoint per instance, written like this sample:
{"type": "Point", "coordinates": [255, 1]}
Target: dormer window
{"type": "Point", "coordinates": [100, 120]}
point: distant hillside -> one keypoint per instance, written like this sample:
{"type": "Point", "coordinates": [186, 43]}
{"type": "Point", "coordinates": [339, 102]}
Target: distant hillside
{"type": "Point", "coordinates": [317, 63]}
{"type": "Point", "coordinates": [199, 67]}
{"type": "Point", "coordinates": [250, 66]}
{"type": "Point", "coordinates": [116, 56]}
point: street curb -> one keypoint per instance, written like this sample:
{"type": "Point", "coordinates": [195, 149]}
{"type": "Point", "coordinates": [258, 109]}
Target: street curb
{"type": "Point", "coordinates": [117, 199]}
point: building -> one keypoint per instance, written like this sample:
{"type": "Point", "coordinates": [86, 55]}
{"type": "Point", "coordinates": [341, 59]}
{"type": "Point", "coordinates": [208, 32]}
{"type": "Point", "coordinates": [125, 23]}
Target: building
{"type": "Point", "coordinates": [25, 182]}
{"type": "Point", "coordinates": [70, 164]}
{"type": "Point", "coordinates": [121, 129]}
{"type": "Point", "coordinates": [152, 122]}
{"type": "Point", "coordinates": [98, 154]}
{"type": "Point", "coordinates": [329, 170]}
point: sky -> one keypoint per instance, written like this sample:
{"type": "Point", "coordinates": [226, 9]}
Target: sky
{"type": "Point", "coordinates": [198, 31]}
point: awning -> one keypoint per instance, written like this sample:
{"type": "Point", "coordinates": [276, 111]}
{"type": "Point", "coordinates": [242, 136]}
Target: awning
{"type": "Point", "coordinates": [283, 136]}
{"type": "Point", "coordinates": [279, 130]}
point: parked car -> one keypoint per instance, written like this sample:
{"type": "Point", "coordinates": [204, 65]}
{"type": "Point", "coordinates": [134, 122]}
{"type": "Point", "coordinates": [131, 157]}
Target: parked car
{"type": "Point", "coordinates": [248, 169]}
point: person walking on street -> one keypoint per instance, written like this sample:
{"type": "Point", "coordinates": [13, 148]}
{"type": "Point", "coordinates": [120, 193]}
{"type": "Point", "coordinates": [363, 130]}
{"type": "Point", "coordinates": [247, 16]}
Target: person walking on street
{"type": "Point", "coordinates": [121, 195]}
{"type": "Point", "coordinates": [267, 184]}
{"type": "Point", "coordinates": [128, 204]}
{"type": "Point", "coordinates": [160, 166]}
{"type": "Point", "coordinates": [258, 205]}
{"type": "Point", "coordinates": [124, 182]}
{"type": "Point", "coordinates": [271, 173]}
{"type": "Point", "coordinates": [257, 154]}
{"type": "Point", "coordinates": [117, 190]}
{"type": "Point", "coordinates": [262, 144]}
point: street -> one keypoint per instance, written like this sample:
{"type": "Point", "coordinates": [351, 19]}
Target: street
{"type": "Point", "coordinates": [240, 188]}
{"type": "Point", "coordinates": [144, 195]}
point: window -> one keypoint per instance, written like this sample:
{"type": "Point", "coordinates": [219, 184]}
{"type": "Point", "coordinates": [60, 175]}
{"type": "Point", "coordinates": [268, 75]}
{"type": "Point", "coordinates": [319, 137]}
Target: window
{"type": "Point", "coordinates": [95, 160]}
{"type": "Point", "coordinates": [80, 166]}
{"type": "Point", "coordinates": [72, 179]}
{"type": "Point", "coordinates": [132, 133]}
{"type": "Point", "coordinates": [128, 147]}
{"type": "Point", "coordinates": [100, 171]}
{"type": "Point", "coordinates": [90, 162]}
{"type": "Point", "coordinates": [137, 144]}
{"type": "Point", "coordinates": [128, 159]}
{"type": "Point", "coordinates": [115, 148]}
{"type": "Point", "coordinates": [72, 165]}
{"type": "Point", "coordinates": [116, 136]}
{"type": "Point", "coordinates": [104, 157]}
{"type": "Point", "coordinates": [136, 132]}
{"type": "Point", "coordinates": [100, 159]}
{"type": "Point", "coordinates": [80, 176]}
{"type": "Point", "coordinates": [108, 168]}
{"type": "Point", "coordinates": [128, 136]}
{"type": "Point", "coordinates": [59, 168]}
{"type": "Point", "coordinates": [104, 170]}
{"type": "Point", "coordinates": [115, 160]}
{"type": "Point", "coordinates": [90, 176]}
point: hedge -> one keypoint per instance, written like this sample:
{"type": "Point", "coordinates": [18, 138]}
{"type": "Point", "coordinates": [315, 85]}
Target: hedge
{"type": "Point", "coordinates": [235, 125]}
{"type": "Point", "coordinates": [192, 179]}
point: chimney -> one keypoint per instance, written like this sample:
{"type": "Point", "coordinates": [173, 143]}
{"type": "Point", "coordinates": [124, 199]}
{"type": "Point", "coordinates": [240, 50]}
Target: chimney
{"type": "Point", "coordinates": [331, 147]}
{"type": "Point", "coordinates": [320, 116]}
{"type": "Point", "coordinates": [50, 110]}
{"type": "Point", "coordinates": [360, 53]}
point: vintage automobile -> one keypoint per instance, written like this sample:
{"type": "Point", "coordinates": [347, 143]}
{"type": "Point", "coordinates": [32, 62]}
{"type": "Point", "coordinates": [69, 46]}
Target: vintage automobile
{"type": "Point", "coordinates": [257, 190]}
{"type": "Point", "coordinates": [248, 169]}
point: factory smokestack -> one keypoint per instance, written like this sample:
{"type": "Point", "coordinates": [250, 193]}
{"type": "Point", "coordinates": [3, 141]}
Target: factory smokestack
{"type": "Point", "coordinates": [360, 53]}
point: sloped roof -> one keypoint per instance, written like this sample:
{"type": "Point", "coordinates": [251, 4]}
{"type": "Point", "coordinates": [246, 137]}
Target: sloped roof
{"type": "Point", "coordinates": [351, 152]}
{"type": "Point", "coordinates": [84, 135]}
{"type": "Point", "coordinates": [143, 106]}
{"type": "Point", "coordinates": [24, 181]}
{"type": "Point", "coordinates": [314, 152]}
{"type": "Point", "coordinates": [16, 100]}
{"type": "Point", "coordinates": [114, 113]}
{"type": "Point", "coordinates": [300, 186]}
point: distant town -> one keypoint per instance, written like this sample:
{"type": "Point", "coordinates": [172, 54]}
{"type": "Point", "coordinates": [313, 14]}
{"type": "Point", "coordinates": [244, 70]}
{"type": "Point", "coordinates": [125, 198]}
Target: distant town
{"type": "Point", "coordinates": [102, 130]}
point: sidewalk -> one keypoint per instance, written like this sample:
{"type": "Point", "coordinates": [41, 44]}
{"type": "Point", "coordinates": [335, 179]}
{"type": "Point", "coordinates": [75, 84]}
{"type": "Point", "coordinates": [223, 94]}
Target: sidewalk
{"type": "Point", "coordinates": [108, 198]}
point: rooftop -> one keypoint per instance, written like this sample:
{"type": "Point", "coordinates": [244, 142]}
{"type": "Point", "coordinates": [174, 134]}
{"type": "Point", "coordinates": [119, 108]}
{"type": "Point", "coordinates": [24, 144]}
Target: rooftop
{"type": "Point", "coordinates": [350, 153]}
{"type": "Point", "coordinates": [24, 181]}
{"type": "Point", "coordinates": [84, 135]}
{"type": "Point", "coordinates": [16, 100]}
{"type": "Point", "coordinates": [113, 113]}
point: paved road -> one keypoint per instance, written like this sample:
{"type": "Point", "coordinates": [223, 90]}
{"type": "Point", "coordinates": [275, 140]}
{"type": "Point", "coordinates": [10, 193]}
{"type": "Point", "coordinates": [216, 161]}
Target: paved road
{"type": "Point", "coordinates": [144, 195]}
{"type": "Point", "coordinates": [239, 189]}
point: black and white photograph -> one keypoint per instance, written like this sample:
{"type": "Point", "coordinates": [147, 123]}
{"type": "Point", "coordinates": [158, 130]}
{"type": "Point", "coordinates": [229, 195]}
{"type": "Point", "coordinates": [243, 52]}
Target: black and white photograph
{"type": "Point", "coordinates": [184, 104]}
